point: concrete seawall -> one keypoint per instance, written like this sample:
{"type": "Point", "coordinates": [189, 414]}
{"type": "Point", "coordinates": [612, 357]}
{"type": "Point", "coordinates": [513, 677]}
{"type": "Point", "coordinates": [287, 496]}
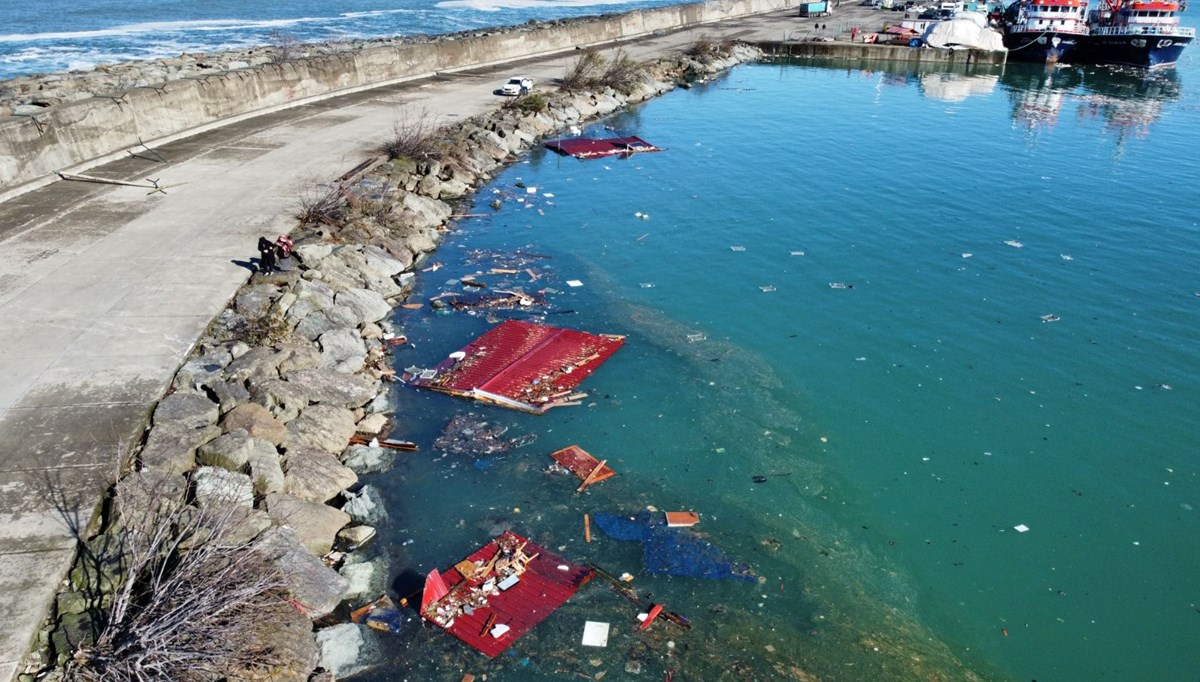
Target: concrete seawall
{"type": "Point", "coordinates": [890, 53]}
{"type": "Point", "coordinates": [76, 135]}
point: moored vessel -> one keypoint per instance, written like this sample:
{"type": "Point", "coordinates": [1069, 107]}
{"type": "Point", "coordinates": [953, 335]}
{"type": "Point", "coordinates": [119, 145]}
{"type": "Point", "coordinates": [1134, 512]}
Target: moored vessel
{"type": "Point", "coordinates": [1136, 33]}
{"type": "Point", "coordinates": [1045, 31]}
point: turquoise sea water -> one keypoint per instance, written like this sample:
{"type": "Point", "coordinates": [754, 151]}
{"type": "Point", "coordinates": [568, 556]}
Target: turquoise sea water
{"type": "Point", "coordinates": [905, 426]}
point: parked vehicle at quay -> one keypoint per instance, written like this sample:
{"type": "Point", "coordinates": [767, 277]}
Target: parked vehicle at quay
{"type": "Point", "coordinates": [517, 85]}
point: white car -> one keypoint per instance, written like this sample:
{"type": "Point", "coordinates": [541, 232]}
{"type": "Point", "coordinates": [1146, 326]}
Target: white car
{"type": "Point", "coordinates": [518, 85]}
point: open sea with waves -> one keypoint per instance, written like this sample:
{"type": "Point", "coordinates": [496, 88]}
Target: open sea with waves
{"type": "Point", "coordinates": [977, 459]}
{"type": "Point", "coordinates": [79, 34]}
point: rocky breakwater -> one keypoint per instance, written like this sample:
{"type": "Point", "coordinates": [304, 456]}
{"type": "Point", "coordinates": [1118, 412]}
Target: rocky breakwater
{"type": "Point", "coordinates": [237, 525]}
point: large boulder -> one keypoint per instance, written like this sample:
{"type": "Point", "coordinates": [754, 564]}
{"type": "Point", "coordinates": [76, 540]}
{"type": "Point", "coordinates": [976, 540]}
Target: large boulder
{"type": "Point", "coordinates": [421, 241]}
{"type": "Point", "coordinates": [342, 350]}
{"type": "Point", "coordinates": [172, 448]}
{"type": "Point", "coordinates": [325, 426]}
{"type": "Point", "coordinates": [425, 212]}
{"type": "Point", "coordinates": [221, 487]}
{"type": "Point", "coordinates": [365, 506]}
{"type": "Point", "coordinates": [317, 588]}
{"type": "Point", "coordinates": [186, 408]}
{"type": "Point", "coordinates": [337, 274]}
{"type": "Point", "coordinates": [229, 394]}
{"type": "Point", "coordinates": [312, 254]}
{"type": "Point", "coordinates": [202, 370]}
{"type": "Point", "coordinates": [233, 450]}
{"type": "Point", "coordinates": [293, 358]}
{"type": "Point", "coordinates": [372, 424]}
{"type": "Point", "coordinates": [281, 398]}
{"type": "Point", "coordinates": [287, 633]}
{"type": "Point", "coordinates": [315, 524]}
{"type": "Point", "coordinates": [258, 363]}
{"type": "Point", "coordinates": [147, 492]}
{"type": "Point", "coordinates": [257, 421]}
{"type": "Point", "coordinates": [254, 301]}
{"type": "Point", "coordinates": [316, 475]}
{"type": "Point", "coordinates": [266, 471]}
{"type": "Point", "coordinates": [328, 387]}
{"type": "Point", "coordinates": [317, 323]}
{"type": "Point", "coordinates": [382, 263]}
{"type": "Point", "coordinates": [367, 305]}
{"type": "Point", "coordinates": [364, 459]}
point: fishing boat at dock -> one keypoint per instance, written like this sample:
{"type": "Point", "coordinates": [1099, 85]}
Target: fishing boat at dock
{"type": "Point", "coordinates": [1136, 33]}
{"type": "Point", "coordinates": [1045, 31]}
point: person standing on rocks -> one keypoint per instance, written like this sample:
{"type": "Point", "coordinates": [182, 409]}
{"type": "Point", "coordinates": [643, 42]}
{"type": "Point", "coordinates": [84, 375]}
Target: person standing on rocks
{"type": "Point", "coordinates": [283, 254]}
{"type": "Point", "coordinates": [266, 255]}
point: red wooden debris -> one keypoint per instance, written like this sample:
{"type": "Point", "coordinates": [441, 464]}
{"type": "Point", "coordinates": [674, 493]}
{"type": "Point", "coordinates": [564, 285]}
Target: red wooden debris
{"type": "Point", "coordinates": [546, 584]}
{"type": "Point", "coordinates": [582, 464]}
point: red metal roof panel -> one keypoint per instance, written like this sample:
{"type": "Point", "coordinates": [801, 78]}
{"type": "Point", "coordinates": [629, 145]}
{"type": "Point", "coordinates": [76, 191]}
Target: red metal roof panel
{"type": "Point", "coordinates": [542, 588]}
{"type": "Point", "coordinates": [587, 147]}
{"type": "Point", "coordinates": [528, 363]}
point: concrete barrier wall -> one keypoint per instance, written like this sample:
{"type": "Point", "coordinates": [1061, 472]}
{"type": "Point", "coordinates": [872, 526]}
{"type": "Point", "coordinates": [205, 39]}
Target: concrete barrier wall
{"type": "Point", "coordinates": [890, 53]}
{"type": "Point", "coordinates": [86, 132]}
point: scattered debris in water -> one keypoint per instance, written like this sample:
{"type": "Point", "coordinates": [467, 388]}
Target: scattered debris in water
{"type": "Point", "coordinates": [469, 434]}
{"type": "Point", "coordinates": [1013, 243]}
{"type": "Point", "coordinates": [1051, 318]}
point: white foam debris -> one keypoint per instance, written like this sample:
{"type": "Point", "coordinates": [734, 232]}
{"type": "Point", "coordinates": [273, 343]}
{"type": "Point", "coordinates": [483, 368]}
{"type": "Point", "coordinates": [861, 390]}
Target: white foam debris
{"type": "Point", "coordinates": [737, 249]}
{"type": "Point", "coordinates": [797, 253]}
{"type": "Point", "coordinates": [574, 283]}
{"type": "Point", "coordinates": [1066, 256]}
{"type": "Point", "coordinates": [767, 288]}
{"type": "Point", "coordinates": [967, 254]}
{"type": "Point", "coordinates": [1013, 243]}
{"type": "Point", "coordinates": [1021, 528]}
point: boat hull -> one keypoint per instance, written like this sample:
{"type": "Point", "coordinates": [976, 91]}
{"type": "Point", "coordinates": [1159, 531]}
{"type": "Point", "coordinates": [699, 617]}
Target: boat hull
{"type": "Point", "coordinates": [1146, 51]}
{"type": "Point", "coordinates": [1043, 47]}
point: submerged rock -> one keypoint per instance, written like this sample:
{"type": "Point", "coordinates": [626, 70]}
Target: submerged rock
{"type": "Point", "coordinates": [340, 647]}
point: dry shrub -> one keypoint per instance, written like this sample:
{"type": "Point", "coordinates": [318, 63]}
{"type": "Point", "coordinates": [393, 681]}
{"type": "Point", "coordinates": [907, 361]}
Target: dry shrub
{"type": "Point", "coordinates": [705, 50]}
{"type": "Point", "coordinates": [415, 135]}
{"type": "Point", "coordinates": [321, 204]}
{"type": "Point", "coordinates": [533, 103]}
{"type": "Point", "coordinates": [623, 73]}
{"type": "Point", "coordinates": [584, 72]}
{"type": "Point", "coordinates": [592, 71]}
{"type": "Point", "coordinates": [188, 599]}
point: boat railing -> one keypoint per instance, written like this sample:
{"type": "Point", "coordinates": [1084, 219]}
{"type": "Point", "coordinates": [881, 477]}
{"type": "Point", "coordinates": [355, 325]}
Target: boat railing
{"type": "Point", "coordinates": [1182, 31]}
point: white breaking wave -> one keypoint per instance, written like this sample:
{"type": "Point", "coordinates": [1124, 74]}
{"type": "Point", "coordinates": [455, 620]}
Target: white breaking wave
{"type": "Point", "coordinates": [376, 13]}
{"type": "Point", "coordinates": [163, 27]}
{"type": "Point", "coordinates": [497, 5]}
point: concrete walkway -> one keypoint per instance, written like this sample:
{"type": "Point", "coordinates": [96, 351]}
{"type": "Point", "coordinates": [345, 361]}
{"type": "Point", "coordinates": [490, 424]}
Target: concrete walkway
{"type": "Point", "coordinates": [104, 290]}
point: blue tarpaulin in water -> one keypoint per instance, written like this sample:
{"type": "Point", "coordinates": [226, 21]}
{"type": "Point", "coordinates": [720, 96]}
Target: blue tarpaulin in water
{"type": "Point", "coordinates": [672, 551]}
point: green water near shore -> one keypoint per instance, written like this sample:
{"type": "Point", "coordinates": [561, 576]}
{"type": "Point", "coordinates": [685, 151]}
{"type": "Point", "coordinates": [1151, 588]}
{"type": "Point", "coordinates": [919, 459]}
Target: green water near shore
{"type": "Point", "coordinates": [905, 425]}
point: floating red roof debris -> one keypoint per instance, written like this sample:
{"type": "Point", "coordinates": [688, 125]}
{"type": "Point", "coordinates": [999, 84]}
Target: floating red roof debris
{"type": "Point", "coordinates": [521, 365]}
{"type": "Point", "coordinates": [589, 148]}
{"type": "Point", "coordinates": [502, 591]}
{"type": "Point", "coordinates": [581, 463]}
